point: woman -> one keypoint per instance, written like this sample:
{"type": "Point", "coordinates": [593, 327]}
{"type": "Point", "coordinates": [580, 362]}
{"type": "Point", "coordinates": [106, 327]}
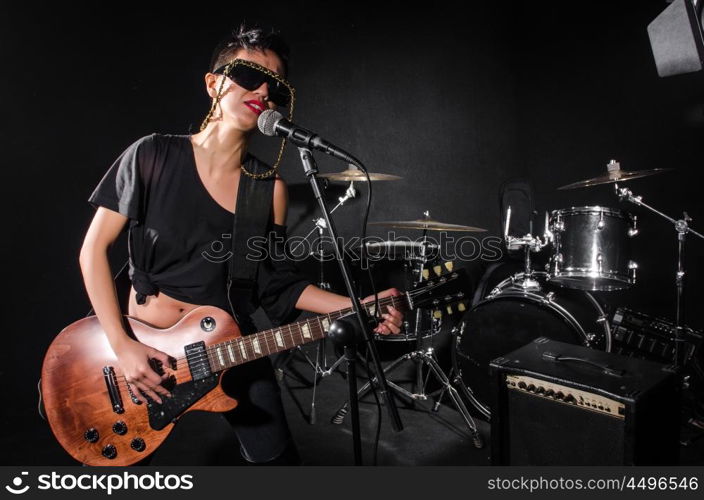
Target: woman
{"type": "Point", "coordinates": [176, 195]}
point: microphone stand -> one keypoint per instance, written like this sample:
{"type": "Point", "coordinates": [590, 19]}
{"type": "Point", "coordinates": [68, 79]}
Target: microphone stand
{"type": "Point", "coordinates": [363, 323]}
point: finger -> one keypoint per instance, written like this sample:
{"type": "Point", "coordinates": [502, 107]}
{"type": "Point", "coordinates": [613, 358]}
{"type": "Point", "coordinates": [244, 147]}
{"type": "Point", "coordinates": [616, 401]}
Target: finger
{"type": "Point", "coordinates": [394, 311]}
{"type": "Point", "coordinates": [391, 320]}
{"type": "Point", "coordinates": [154, 380]}
{"type": "Point", "coordinates": [393, 328]}
{"type": "Point", "coordinates": [165, 361]}
{"type": "Point", "coordinates": [148, 392]}
{"type": "Point", "coordinates": [134, 391]}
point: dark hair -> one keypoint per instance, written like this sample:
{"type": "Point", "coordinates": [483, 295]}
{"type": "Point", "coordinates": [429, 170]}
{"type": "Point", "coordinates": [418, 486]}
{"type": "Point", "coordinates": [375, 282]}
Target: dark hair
{"type": "Point", "coordinates": [250, 38]}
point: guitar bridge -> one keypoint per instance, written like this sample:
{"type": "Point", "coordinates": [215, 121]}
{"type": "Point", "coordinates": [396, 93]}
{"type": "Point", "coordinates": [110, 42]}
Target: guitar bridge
{"type": "Point", "coordinates": [113, 389]}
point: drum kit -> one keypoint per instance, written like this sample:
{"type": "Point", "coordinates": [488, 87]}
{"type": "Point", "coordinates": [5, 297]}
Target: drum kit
{"type": "Point", "coordinates": [588, 249]}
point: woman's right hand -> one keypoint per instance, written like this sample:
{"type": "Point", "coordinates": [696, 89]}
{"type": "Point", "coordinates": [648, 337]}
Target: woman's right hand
{"type": "Point", "coordinates": [134, 359]}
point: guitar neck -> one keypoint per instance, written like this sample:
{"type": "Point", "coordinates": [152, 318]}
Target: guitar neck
{"type": "Point", "coordinates": [244, 349]}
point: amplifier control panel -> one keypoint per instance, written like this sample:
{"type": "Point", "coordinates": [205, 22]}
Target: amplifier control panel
{"type": "Point", "coordinates": [566, 395]}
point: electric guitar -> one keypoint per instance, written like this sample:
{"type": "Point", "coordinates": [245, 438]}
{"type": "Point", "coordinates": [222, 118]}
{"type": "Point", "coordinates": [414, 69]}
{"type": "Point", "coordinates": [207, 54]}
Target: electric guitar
{"type": "Point", "coordinates": [92, 410]}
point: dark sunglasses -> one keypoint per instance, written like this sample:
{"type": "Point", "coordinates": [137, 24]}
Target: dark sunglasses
{"type": "Point", "coordinates": [250, 76]}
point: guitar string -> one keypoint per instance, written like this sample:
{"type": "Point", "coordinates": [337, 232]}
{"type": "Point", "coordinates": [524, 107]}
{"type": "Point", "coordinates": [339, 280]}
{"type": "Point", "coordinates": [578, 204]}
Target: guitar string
{"type": "Point", "coordinates": [268, 335]}
{"type": "Point", "coordinates": [265, 336]}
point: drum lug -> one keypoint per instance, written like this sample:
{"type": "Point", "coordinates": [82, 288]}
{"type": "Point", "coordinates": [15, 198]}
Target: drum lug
{"type": "Point", "coordinates": [632, 267]}
{"type": "Point", "coordinates": [600, 262]}
{"type": "Point", "coordinates": [559, 225]}
{"type": "Point", "coordinates": [601, 224]}
{"type": "Point", "coordinates": [549, 297]}
{"type": "Point", "coordinates": [633, 230]}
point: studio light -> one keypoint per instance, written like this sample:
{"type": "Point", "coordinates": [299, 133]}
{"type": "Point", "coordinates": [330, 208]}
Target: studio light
{"type": "Point", "coordinates": [676, 38]}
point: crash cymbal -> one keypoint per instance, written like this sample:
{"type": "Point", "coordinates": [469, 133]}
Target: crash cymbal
{"type": "Point", "coordinates": [615, 174]}
{"type": "Point", "coordinates": [354, 174]}
{"type": "Point", "coordinates": [428, 224]}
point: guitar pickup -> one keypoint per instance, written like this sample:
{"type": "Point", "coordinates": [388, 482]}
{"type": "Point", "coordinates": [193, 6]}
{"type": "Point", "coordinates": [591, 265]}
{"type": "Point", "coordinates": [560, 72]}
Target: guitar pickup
{"type": "Point", "coordinates": [113, 389]}
{"type": "Point", "coordinates": [198, 364]}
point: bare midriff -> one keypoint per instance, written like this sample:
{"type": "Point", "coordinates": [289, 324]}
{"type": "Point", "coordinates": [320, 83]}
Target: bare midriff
{"type": "Point", "coordinates": [160, 311]}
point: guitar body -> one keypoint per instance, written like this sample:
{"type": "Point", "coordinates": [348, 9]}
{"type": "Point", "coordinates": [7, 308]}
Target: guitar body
{"type": "Point", "coordinates": [88, 404]}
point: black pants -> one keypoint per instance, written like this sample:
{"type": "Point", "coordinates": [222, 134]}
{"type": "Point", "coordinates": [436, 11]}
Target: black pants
{"type": "Point", "coordinates": [259, 421]}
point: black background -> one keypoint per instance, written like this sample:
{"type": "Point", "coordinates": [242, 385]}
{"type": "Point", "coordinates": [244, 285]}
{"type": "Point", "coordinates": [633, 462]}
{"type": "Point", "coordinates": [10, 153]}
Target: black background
{"type": "Point", "coordinates": [454, 97]}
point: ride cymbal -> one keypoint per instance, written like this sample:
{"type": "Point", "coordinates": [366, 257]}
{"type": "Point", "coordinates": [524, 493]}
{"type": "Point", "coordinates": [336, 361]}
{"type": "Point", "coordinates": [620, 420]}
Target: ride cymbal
{"type": "Point", "coordinates": [354, 174]}
{"type": "Point", "coordinates": [426, 224]}
{"type": "Point", "coordinates": [615, 174]}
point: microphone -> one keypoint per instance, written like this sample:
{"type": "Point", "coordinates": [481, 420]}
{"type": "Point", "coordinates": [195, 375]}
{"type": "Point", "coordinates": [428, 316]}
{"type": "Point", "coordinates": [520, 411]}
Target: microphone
{"type": "Point", "coordinates": [273, 123]}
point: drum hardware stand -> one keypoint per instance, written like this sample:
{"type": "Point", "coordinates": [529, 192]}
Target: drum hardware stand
{"type": "Point", "coordinates": [421, 357]}
{"type": "Point", "coordinates": [456, 376]}
{"type": "Point", "coordinates": [682, 228]}
{"type": "Point", "coordinates": [529, 243]}
{"type": "Point", "coordinates": [320, 367]}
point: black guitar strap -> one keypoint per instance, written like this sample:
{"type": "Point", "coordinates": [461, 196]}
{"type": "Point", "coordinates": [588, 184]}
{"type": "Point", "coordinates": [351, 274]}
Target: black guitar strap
{"type": "Point", "coordinates": [252, 218]}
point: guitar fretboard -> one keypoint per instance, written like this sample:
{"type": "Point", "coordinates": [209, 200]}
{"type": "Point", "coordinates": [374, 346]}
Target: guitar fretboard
{"type": "Point", "coordinates": [244, 349]}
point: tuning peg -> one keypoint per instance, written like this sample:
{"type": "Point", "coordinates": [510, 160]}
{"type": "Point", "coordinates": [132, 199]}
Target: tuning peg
{"type": "Point", "coordinates": [449, 265]}
{"type": "Point", "coordinates": [437, 314]}
{"type": "Point", "coordinates": [437, 270]}
{"type": "Point", "coordinates": [449, 310]}
{"type": "Point", "coordinates": [461, 307]}
{"type": "Point", "coordinates": [426, 274]}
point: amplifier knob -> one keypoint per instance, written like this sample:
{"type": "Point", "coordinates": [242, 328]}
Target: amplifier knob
{"type": "Point", "coordinates": [540, 390]}
{"type": "Point", "coordinates": [559, 395]}
{"type": "Point", "coordinates": [531, 387]}
{"type": "Point", "coordinates": [522, 385]}
{"type": "Point", "coordinates": [569, 398]}
{"type": "Point", "coordinates": [549, 393]}
{"type": "Point", "coordinates": [91, 435]}
{"type": "Point", "coordinates": [110, 452]}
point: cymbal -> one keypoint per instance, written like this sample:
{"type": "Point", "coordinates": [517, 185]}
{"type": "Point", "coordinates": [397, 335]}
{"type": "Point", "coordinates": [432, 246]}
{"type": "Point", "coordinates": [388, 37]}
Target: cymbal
{"type": "Point", "coordinates": [354, 174]}
{"type": "Point", "coordinates": [428, 224]}
{"type": "Point", "coordinates": [615, 176]}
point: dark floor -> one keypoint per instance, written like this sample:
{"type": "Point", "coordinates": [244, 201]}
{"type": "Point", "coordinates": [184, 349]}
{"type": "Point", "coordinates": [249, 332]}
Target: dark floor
{"type": "Point", "coordinates": [428, 438]}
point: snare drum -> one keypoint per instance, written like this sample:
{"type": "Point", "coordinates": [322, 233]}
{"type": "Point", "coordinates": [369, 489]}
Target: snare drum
{"type": "Point", "coordinates": [592, 248]}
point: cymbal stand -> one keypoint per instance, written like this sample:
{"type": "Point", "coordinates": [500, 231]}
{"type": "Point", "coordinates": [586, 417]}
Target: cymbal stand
{"type": "Point", "coordinates": [682, 228]}
{"type": "Point", "coordinates": [422, 357]}
{"type": "Point", "coordinates": [320, 366]}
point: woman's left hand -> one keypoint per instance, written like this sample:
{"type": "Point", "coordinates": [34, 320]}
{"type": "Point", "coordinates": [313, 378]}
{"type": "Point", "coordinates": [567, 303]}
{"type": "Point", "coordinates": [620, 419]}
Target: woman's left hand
{"type": "Point", "coordinates": [392, 319]}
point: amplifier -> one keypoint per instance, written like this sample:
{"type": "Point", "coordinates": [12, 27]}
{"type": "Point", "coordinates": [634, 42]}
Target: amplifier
{"type": "Point", "coordinates": [648, 337]}
{"type": "Point", "coordinates": [563, 404]}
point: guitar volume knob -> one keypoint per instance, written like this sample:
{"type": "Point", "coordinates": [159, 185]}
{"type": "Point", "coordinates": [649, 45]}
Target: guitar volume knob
{"type": "Point", "coordinates": [138, 444]}
{"type": "Point", "coordinates": [91, 435]}
{"type": "Point", "coordinates": [119, 428]}
{"type": "Point", "coordinates": [109, 452]}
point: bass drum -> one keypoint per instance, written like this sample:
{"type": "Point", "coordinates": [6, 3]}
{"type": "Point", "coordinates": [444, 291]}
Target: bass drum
{"type": "Point", "coordinates": [511, 316]}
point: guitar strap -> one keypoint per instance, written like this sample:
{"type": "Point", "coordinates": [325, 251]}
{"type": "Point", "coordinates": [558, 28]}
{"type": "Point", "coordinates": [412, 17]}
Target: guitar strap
{"type": "Point", "coordinates": [252, 218]}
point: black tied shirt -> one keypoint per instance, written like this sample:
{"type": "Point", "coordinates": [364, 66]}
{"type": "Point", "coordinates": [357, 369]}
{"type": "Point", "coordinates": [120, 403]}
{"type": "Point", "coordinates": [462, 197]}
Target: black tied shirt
{"type": "Point", "coordinates": [179, 237]}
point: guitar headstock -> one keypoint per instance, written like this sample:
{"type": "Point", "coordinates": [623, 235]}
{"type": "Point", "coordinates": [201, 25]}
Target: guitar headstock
{"type": "Point", "coordinates": [442, 287]}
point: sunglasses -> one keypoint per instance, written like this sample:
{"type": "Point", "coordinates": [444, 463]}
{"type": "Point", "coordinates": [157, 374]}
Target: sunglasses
{"type": "Point", "coordinates": [251, 76]}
